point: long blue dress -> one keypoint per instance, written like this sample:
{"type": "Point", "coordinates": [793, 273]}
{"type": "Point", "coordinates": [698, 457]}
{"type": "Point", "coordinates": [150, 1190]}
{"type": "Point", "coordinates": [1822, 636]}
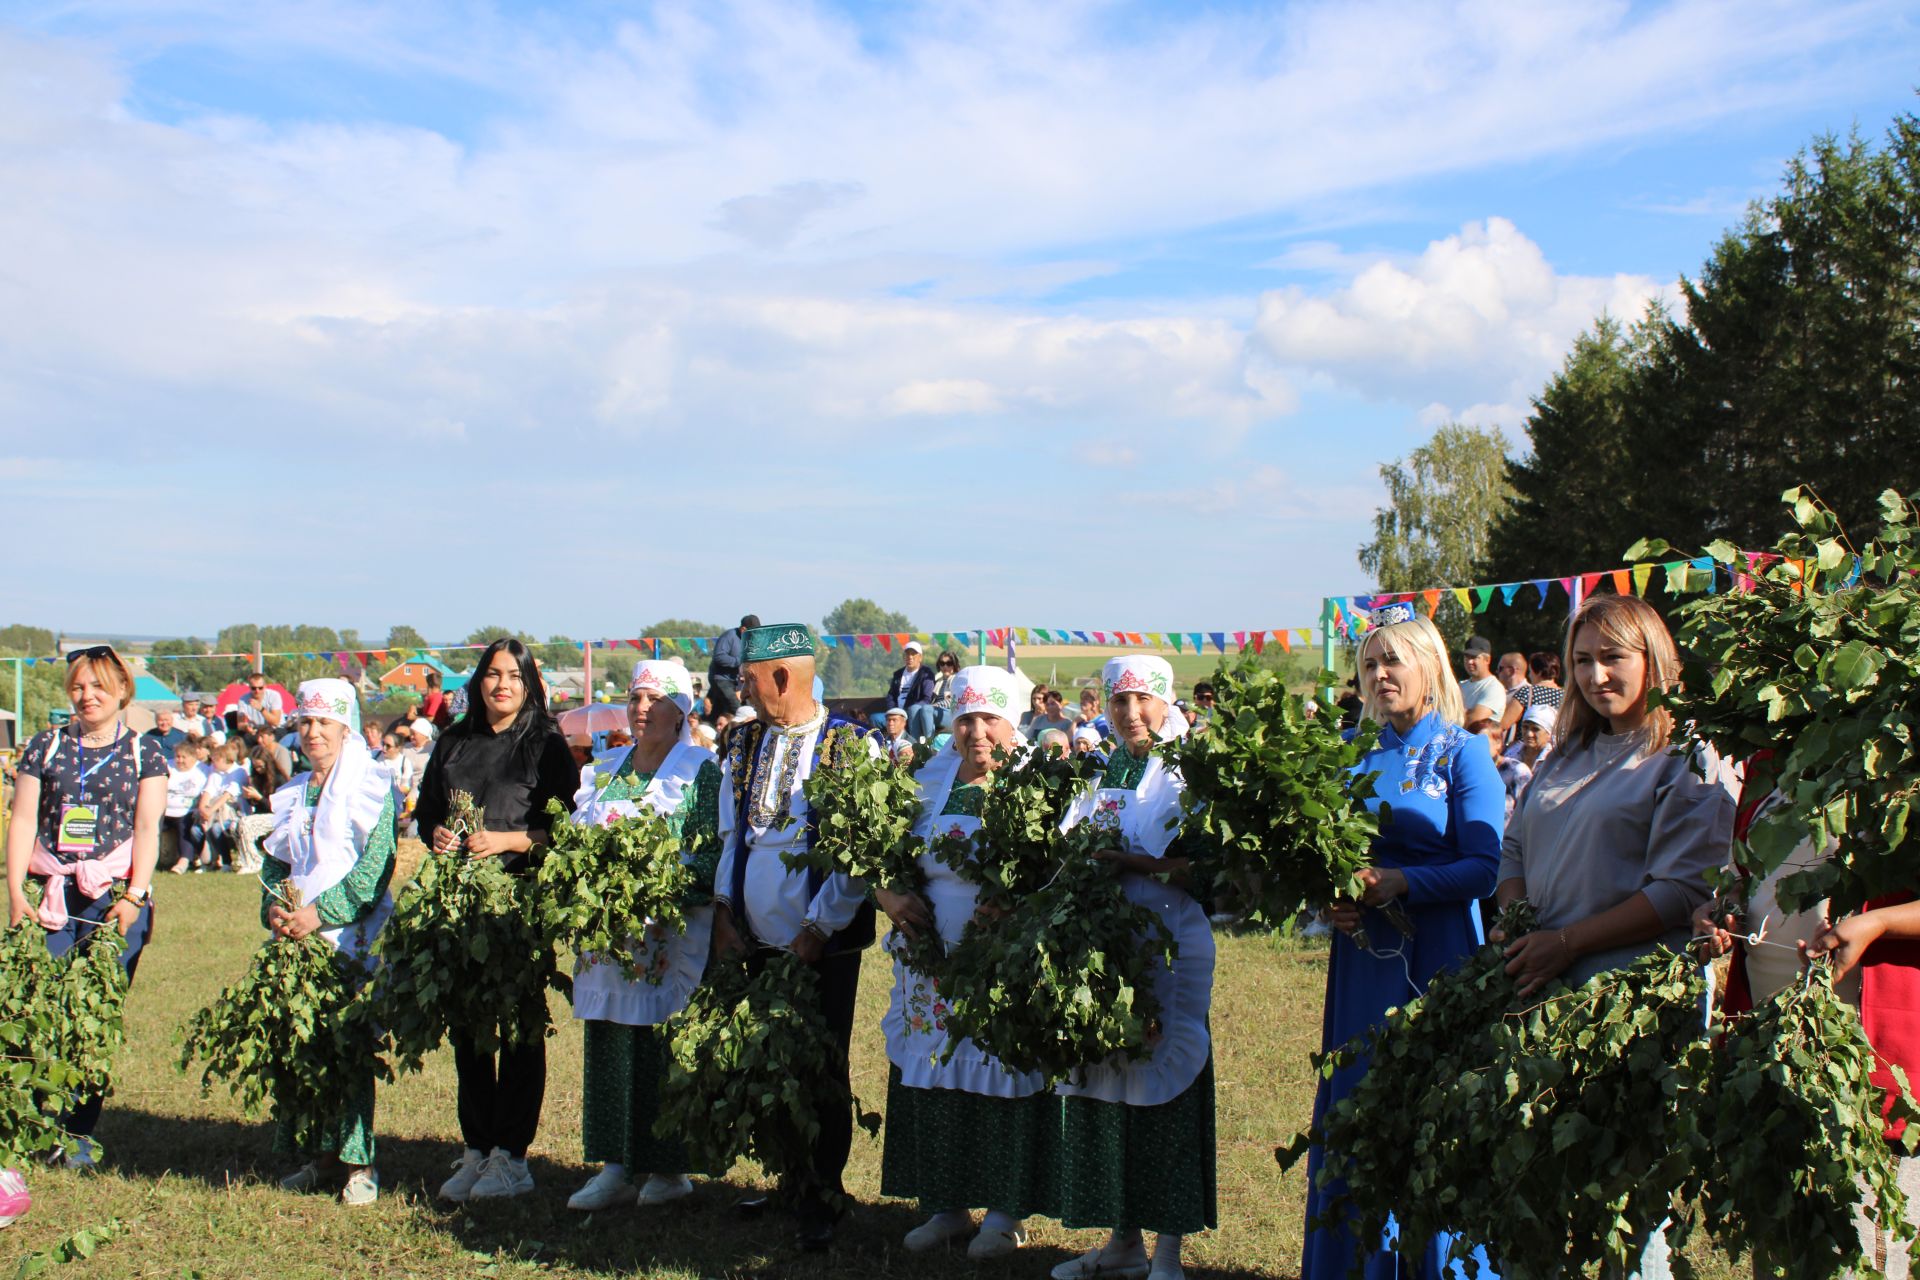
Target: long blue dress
{"type": "Point", "coordinates": [1448, 807]}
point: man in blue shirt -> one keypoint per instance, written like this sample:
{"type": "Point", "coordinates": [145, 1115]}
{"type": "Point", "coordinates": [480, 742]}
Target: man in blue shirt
{"type": "Point", "coordinates": [723, 668]}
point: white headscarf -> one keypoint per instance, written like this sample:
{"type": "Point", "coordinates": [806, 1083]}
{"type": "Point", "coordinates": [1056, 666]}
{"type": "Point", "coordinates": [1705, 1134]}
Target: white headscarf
{"type": "Point", "coordinates": [669, 679]}
{"type": "Point", "coordinates": [351, 800]}
{"type": "Point", "coordinates": [975, 689]}
{"type": "Point", "coordinates": [1144, 673]}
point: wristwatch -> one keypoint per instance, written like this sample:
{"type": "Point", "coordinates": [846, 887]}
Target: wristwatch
{"type": "Point", "coordinates": [138, 897]}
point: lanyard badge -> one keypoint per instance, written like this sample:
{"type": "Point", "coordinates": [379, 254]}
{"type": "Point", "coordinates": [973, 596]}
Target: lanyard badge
{"type": "Point", "coordinates": [79, 831]}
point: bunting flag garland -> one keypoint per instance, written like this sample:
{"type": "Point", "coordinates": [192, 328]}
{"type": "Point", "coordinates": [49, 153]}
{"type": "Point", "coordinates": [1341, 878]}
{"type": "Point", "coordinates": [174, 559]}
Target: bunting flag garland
{"type": "Point", "coordinates": [1641, 574]}
{"type": "Point", "coordinates": [1482, 597]}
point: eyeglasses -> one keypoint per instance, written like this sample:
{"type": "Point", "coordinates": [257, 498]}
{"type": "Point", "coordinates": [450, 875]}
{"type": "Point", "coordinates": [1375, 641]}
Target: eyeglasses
{"type": "Point", "coordinates": [90, 653]}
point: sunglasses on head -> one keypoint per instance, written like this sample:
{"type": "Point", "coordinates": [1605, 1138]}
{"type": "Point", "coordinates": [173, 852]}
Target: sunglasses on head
{"type": "Point", "coordinates": [90, 653]}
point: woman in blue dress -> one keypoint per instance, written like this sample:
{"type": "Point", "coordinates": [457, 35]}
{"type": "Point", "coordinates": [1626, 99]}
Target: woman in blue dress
{"type": "Point", "coordinates": [1438, 854]}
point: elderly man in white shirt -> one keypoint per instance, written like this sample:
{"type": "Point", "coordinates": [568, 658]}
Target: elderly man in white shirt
{"type": "Point", "coordinates": [760, 904]}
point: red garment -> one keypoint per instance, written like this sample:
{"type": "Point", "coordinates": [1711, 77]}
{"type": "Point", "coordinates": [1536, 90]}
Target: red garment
{"type": "Point", "coordinates": [1890, 1007]}
{"type": "Point", "coordinates": [436, 710]}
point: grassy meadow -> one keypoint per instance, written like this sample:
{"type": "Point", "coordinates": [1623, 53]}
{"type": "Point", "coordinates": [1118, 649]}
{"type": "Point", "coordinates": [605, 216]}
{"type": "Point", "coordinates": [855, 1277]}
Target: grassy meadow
{"type": "Point", "coordinates": [194, 1182]}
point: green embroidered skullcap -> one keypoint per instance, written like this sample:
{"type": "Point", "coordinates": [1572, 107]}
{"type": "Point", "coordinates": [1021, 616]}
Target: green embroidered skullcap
{"type": "Point", "coordinates": [782, 640]}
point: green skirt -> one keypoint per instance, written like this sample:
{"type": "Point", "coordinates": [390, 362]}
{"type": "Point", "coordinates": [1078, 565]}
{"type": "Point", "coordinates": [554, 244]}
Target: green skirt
{"type": "Point", "coordinates": [350, 1138]}
{"type": "Point", "coordinates": [1140, 1168]}
{"type": "Point", "coordinates": [625, 1067]}
{"type": "Point", "coordinates": [954, 1150]}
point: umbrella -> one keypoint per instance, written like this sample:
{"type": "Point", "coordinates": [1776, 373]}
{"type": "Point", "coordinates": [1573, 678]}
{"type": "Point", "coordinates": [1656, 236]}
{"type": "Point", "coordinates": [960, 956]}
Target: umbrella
{"type": "Point", "coordinates": [595, 717]}
{"type": "Point", "coordinates": [231, 695]}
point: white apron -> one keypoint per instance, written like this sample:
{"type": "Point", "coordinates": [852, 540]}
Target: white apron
{"type": "Point", "coordinates": [601, 990]}
{"type": "Point", "coordinates": [915, 1022]}
{"type": "Point", "coordinates": [1185, 990]}
{"type": "Point", "coordinates": [321, 843]}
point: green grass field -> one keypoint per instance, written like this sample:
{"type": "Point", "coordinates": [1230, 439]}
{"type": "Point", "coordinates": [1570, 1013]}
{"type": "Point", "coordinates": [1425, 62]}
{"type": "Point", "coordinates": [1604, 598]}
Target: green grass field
{"type": "Point", "coordinates": [195, 1183]}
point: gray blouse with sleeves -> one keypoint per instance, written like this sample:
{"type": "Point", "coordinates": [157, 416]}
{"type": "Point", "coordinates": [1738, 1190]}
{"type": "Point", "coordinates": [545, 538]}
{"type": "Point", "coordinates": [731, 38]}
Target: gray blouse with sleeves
{"type": "Point", "coordinates": [1603, 822]}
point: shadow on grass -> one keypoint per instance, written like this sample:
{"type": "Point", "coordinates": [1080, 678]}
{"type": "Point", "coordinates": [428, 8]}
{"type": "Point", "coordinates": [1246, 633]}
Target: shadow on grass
{"type": "Point", "coordinates": [701, 1235]}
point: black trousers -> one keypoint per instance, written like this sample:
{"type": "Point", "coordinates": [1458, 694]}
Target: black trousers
{"type": "Point", "coordinates": [724, 692]}
{"type": "Point", "coordinates": [500, 1094]}
{"type": "Point", "coordinates": [839, 985]}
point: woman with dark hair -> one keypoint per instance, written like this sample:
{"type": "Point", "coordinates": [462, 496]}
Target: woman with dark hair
{"type": "Point", "coordinates": [507, 754]}
{"type": "Point", "coordinates": [1541, 690]}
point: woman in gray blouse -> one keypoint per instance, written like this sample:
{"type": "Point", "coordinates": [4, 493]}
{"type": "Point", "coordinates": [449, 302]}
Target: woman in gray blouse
{"type": "Point", "coordinates": [1614, 836]}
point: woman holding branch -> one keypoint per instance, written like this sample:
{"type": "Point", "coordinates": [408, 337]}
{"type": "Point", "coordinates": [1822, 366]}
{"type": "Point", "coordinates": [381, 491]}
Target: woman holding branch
{"type": "Point", "coordinates": [328, 863]}
{"type": "Point", "coordinates": [1441, 805]}
{"type": "Point", "coordinates": [97, 791]}
{"type": "Point", "coordinates": [1615, 835]}
{"type": "Point", "coordinates": [968, 1132]}
{"type": "Point", "coordinates": [1137, 1145]}
{"type": "Point", "coordinates": [507, 755]}
{"type": "Point", "coordinates": [625, 1054]}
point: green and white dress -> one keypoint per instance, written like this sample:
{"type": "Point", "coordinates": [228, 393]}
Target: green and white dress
{"type": "Point", "coordinates": [337, 850]}
{"type": "Point", "coordinates": [968, 1133]}
{"type": "Point", "coordinates": [625, 1053]}
{"type": "Point", "coordinates": [1137, 1138]}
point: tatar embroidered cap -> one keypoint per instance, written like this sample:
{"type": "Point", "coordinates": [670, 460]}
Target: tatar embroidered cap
{"type": "Point", "coordinates": [330, 698]}
{"type": "Point", "coordinates": [663, 678]}
{"type": "Point", "coordinates": [782, 640]}
{"type": "Point", "coordinates": [989, 689]}
{"type": "Point", "coordinates": [1138, 673]}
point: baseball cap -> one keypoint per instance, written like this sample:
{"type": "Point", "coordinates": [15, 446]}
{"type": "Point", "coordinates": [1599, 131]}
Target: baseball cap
{"type": "Point", "coordinates": [1478, 645]}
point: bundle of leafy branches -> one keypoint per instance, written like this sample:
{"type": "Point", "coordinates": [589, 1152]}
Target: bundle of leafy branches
{"type": "Point", "coordinates": [754, 1071]}
{"type": "Point", "coordinates": [293, 1034]}
{"type": "Point", "coordinates": [1054, 974]}
{"type": "Point", "coordinates": [463, 951]}
{"type": "Point", "coordinates": [1558, 1133]}
{"type": "Point", "coordinates": [60, 1026]}
{"type": "Point", "coordinates": [1017, 849]}
{"type": "Point", "coordinates": [1821, 660]}
{"type": "Point", "coordinates": [1792, 1124]}
{"type": "Point", "coordinates": [597, 884]}
{"type": "Point", "coordinates": [1063, 979]}
{"type": "Point", "coordinates": [1271, 788]}
{"type": "Point", "coordinates": [1561, 1130]}
{"type": "Point", "coordinates": [864, 806]}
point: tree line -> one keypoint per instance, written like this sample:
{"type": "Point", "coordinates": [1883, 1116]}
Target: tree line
{"type": "Point", "coordinates": [1793, 358]}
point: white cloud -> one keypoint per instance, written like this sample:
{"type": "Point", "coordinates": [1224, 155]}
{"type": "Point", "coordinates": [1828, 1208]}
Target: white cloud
{"type": "Point", "coordinates": [1477, 315]}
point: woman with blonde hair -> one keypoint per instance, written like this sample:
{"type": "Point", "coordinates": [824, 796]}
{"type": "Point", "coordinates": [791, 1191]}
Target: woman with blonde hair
{"type": "Point", "coordinates": [1438, 850]}
{"type": "Point", "coordinates": [96, 791]}
{"type": "Point", "coordinates": [1615, 834]}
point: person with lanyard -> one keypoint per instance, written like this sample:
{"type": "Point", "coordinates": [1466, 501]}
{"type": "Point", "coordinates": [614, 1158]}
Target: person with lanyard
{"type": "Point", "coordinates": [761, 906]}
{"type": "Point", "coordinates": [1137, 1137]}
{"type": "Point", "coordinates": [506, 753]}
{"type": "Point", "coordinates": [626, 1053]}
{"type": "Point", "coordinates": [965, 1133]}
{"type": "Point", "coordinates": [1443, 807]}
{"type": "Point", "coordinates": [328, 862]}
{"type": "Point", "coordinates": [1614, 836]}
{"type": "Point", "coordinates": [96, 790]}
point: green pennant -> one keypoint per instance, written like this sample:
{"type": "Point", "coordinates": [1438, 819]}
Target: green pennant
{"type": "Point", "coordinates": [1482, 596]}
{"type": "Point", "coordinates": [1174, 636]}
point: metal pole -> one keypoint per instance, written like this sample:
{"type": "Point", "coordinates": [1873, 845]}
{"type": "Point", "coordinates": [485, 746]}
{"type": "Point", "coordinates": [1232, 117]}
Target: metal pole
{"type": "Point", "coordinates": [1326, 642]}
{"type": "Point", "coordinates": [982, 636]}
{"type": "Point", "coordinates": [586, 671]}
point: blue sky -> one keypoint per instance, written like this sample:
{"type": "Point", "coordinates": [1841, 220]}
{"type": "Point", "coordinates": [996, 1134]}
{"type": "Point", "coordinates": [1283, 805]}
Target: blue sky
{"type": "Point", "coordinates": [1078, 315]}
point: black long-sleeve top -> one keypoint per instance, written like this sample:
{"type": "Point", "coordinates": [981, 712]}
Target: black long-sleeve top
{"type": "Point", "coordinates": [513, 787]}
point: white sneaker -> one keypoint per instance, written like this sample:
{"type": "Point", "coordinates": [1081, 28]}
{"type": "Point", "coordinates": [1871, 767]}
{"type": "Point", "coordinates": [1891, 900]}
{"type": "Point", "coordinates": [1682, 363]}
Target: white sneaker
{"type": "Point", "coordinates": [605, 1190]}
{"type": "Point", "coordinates": [1128, 1264]}
{"type": "Point", "coordinates": [305, 1178]}
{"type": "Point", "coordinates": [80, 1159]}
{"type": "Point", "coordinates": [665, 1188]}
{"type": "Point", "coordinates": [501, 1178]}
{"type": "Point", "coordinates": [363, 1186]}
{"type": "Point", "coordinates": [1166, 1270]}
{"type": "Point", "coordinates": [995, 1243]}
{"type": "Point", "coordinates": [936, 1231]}
{"type": "Point", "coordinates": [466, 1172]}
